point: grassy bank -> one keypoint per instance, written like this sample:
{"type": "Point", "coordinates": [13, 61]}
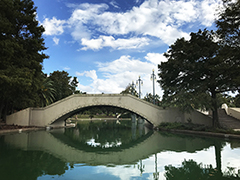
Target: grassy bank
{"type": "Point", "coordinates": [194, 127]}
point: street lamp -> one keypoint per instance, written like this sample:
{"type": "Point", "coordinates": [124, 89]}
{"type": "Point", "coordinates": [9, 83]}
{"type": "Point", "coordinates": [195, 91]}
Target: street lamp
{"type": "Point", "coordinates": [139, 82]}
{"type": "Point", "coordinates": [153, 78]}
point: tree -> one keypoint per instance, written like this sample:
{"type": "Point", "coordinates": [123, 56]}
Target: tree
{"type": "Point", "coordinates": [73, 85]}
{"type": "Point", "coordinates": [149, 98]}
{"type": "Point", "coordinates": [46, 92]}
{"type": "Point", "coordinates": [192, 170]}
{"type": "Point", "coordinates": [229, 32]}
{"type": "Point", "coordinates": [237, 101]}
{"type": "Point", "coordinates": [197, 68]}
{"type": "Point", "coordinates": [63, 84]}
{"type": "Point", "coordinates": [228, 23]}
{"type": "Point", "coordinates": [21, 54]}
{"type": "Point", "coordinates": [130, 89]}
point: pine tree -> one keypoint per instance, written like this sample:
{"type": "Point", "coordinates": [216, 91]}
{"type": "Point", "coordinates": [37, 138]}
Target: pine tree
{"type": "Point", "coordinates": [21, 54]}
{"type": "Point", "coordinates": [228, 26]}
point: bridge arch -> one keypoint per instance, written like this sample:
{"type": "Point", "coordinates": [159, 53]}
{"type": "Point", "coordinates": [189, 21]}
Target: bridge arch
{"type": "Point", "coordinates": [79, 109]}
{"type": "Point", "coordinates": [56, 113]}
{"type": "Point", "coordinates": [79, 102]}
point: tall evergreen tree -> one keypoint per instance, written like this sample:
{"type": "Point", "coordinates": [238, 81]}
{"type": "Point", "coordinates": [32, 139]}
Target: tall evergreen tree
{"type": "Point", "coordinates": [229, 31]}
{"type": "Point", "coordinates": [21, 54]}
{"type": "Point", "coordinates": [228, 23]}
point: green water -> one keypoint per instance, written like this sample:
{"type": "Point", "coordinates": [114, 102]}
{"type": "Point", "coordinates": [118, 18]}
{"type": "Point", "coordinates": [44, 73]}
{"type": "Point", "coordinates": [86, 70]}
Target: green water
{"type": "Point", "coordinates": [109, 151]}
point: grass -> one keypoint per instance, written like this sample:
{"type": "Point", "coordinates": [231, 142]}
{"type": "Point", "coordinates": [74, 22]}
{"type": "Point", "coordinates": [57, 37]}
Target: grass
{"type": "Point", "coordinates": [194, 127]}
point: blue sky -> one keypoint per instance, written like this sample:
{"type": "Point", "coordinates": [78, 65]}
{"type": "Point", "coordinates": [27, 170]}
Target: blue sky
{"type": "Point", "coordinates": [107, 44]}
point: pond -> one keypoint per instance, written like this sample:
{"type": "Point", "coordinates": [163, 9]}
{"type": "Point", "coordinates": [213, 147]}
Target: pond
{"type": "Point", "coordinates": [116, 150]}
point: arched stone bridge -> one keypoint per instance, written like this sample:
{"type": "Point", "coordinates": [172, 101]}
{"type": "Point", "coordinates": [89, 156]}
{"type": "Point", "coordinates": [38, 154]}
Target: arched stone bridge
{"type": "Point", "coordinates": [56, 113]}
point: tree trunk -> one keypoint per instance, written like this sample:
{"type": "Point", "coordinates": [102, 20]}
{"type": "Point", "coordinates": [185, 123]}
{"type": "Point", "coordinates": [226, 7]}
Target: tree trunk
{"type": "Point", "coordinates": [5, 111]}
{"type": "Point", "coordinates": [218, 147]}
{"type": "Point", "coordinates": [1, 108]}
{"type": "Point", "coordinates": [215, 117]}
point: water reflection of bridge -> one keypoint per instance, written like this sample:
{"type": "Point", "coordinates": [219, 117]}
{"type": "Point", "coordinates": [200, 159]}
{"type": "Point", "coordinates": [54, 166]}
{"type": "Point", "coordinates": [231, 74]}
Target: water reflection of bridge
{"type": "Point", "coordinates": [47, 141]}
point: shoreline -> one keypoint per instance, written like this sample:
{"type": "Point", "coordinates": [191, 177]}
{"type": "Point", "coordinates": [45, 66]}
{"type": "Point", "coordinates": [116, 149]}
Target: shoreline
{"type": "Point", "coordinates": [201, 133]}
{"type": "Point", "coordinates": [6, 129]}
{"type": "Point", "coordinates": [20, 130]}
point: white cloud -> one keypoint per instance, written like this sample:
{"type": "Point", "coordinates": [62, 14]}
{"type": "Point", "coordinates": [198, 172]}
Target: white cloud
{"type": "Point", "coordinates": [53, 26]}
{"type": "Point", "coordinates": [137, 1]}
{"type": "Point", "coordinates": [162, 19]}
{"type": "Point", "coordinates": [56, 40]}
{"type": "Point", "coordinates": [110, 41]}
{"type": "Point", "coordinates": [83, 88]}
{"type": "Point", "coordinates": [94, 27]}
{"type": "Point", "coordinates": [114, 4]}
{"type": "Point", "coordinates": [208, 11]}
{"type": "Point", "coordinates": [93, 44]}
{"type": "Point", "coordinates": [119, 73]}
{"type": "Point", "coordinates": [67, 68]}
{"type": "Point", "coordinates": [79, 31]}
{"type": "Point", "coordinates": [155, 58]}
{"type": "Point", "coordinates": [92, 74]}
{"type": "Point", "coordinates": [124, 64]}
{"type": "Point", "coordinates": [82, 18]}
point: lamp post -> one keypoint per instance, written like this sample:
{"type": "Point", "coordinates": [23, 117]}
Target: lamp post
{"type": "Point", "coordinates": [139, 82]}
{"type": "Point", "coordinates": [153, 78]}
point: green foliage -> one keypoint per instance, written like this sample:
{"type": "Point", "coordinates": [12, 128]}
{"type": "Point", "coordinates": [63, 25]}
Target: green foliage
{"type": "Point", "coordinates": [63, 84]}
{"type": "Point", "coordinates": [196, 71]}
{"type": "Point", "coordinates": [21, 55]}
{"type": "Point", "coordinates": [101, 112]}
{"type": "Point", "coordinates": [194, 127]}
{"type": "Point", "coordinates": [106, 135]}
{"type": "Point", "coordinates": [237, 101]}
{"type": "Point", "coordinates": [192, 170]}
{"type": "Point", "coordinates": [229, 22]}
{"type": "Point", "coordinates": [228, 25]}
{"type": "Point", "coordinates": [149, 98]}
{"type": "Point", "coordinates": [37, 163]}
{"type": "Point", "coordinates": [227, 99]}
{"type": "Point", "coordinates": [130, 89]}
{"type": "Point", "coordinates": [199, 70]}
{"type": "Point", "coordinates": [73, 85]}
{"type": "Point", "coordinates": [46, 92]}
{"type": "Point", "coordinates": [183, 126]}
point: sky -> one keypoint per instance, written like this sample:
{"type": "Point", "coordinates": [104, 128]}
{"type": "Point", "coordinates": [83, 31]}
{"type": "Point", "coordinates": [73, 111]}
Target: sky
{"type": "Point", "coordinates": [108, 44]}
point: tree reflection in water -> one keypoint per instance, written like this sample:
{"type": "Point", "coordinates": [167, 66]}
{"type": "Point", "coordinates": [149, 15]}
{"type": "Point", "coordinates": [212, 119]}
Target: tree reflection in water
{"type": "Point", "coordinates": [192, 170]}
{"type": "Point", "coordinates": [28, 165]}
{"type": "Point", "coordinates": [104, 134]}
